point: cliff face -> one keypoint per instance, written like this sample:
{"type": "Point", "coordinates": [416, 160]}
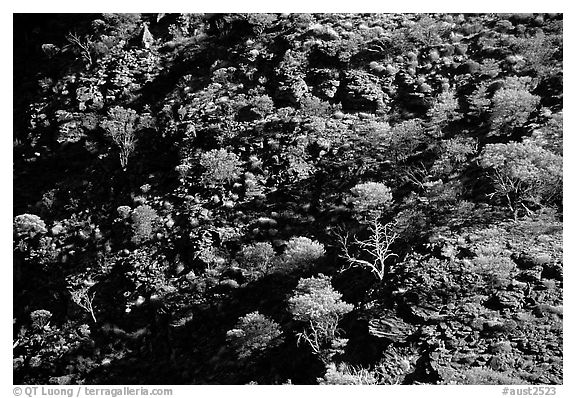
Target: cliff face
{"type": "Point", "coordinates": [176, 172]}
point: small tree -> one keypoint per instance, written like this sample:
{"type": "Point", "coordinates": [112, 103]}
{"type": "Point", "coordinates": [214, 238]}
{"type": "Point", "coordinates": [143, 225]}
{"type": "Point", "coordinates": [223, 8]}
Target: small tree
{"type": "Point", "coordinates": [523, 172]}
{"type": "Point", "coordinates": [82, 296]}
{"type": "Point", "coordinates": [121, 127]}
{"type": "Point", "coordinates": [253, 333]}
{"type": "Point", "coordinates": [376, 249]}
{"type": "Point", "coordinates": [321, 308]}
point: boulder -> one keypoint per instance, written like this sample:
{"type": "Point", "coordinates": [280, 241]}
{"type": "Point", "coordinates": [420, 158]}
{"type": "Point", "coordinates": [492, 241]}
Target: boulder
{"type": "Point", "coordinates": [361, 91]}
{"type": "Point", "coordinates": [391, 328]}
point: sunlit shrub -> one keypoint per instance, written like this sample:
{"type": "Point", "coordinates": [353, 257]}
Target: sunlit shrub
{"type": "Point", "coordinates": [257, 258]}
{"type": "Point", "coordinates": [220, 167]}
{"type": "Point", "coordinates": [252, 334]}
{"type": "Point", "coordinates": [320, 308]}
{"type": "Point", "coordinates": [512, 106]}
{"type": "Point", "coordinates": [143, 219]}
{"type": "Point", "coordinates": [344, 374]}
{"type": "Point", "coordinates": [124, 211]}
{"type": "Point", "coordinates": [40, 319]}
{"type": "Point", "coordinates": [262, 105]}
{"type": "Point", "coordinates": [302, 252]}
{"type": "Point", "coordinates": [370, 198]}
{"type": "Point", "coordinates": [29, 225]}
{"type": "Point", "coordinates": [406, 137]}
{"type": "Point", "coordinates": [454, 153]}
{"type": "Point", "coordinates": [444, 110]}
{"type": "Point", "coordinates": [523, 171]}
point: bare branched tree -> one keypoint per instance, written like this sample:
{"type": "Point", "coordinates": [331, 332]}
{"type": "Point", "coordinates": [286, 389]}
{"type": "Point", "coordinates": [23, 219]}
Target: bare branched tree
{"type": "Point", "coordinates": [376, 248]}
{"type": "Point", "coordinates": [83, 45]}
{"type": "Point", "coordinates": [84, 299]}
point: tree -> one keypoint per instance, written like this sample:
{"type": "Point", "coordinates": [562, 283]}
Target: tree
{"type": "Point", "coordinates": [121, 127]}
{"type": "Point", "coordinates": [523, 172]}
{"type": "Point", "coordinates": [321, 308]}
{"type": "Point", "coordinates": [376, 249]}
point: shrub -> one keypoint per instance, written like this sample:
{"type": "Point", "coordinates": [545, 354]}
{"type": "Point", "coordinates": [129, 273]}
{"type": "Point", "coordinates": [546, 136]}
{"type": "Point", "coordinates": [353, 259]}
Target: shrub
{"type": "Point", "coordinates": [320, 307]}
{"type": "Point", "coordinates": [406, 137]}
{"type": "Point", "coordinates": [480, 375]}
{"type": "Point", "coordinates": [549, 136]}
{"type": "Point", "coordinates": [301, 252]}
{"type": "Point", "coordinates": [454, 153]}
{"type": "Point", "coordinates": [523, 172]}
{"type": "Point", "coordinates": [124, 211]}
{"type": "Point", "coordinates": [344, 374]}
{"type": "Point", "coordinates": [511, 108]}
{"type": "Point", "coordinates": [143, 219]}
{"type": "Point", "coordinates": [444, 110]}
{"type": "Point", "coordinates": [29, 225]}
{"type": "Point", "coordinates": [257, 258]}
{"type": "Point", "coordinates": [314, 106]}
{"type": "Point", "coordinates": [220, 166]}
{"type": "Point", "coordinates": [252, 334]}
{"type": "Point", "coordinates": [40, 319]}
{"type": "Point", "coordinates": [262, 105]}
{"type": "Point", "coordinates": [370, 198]}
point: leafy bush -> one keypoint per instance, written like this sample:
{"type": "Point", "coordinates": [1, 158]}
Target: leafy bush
{"type": "Point", "coordinates": [511, 108]}
{"type": "Point", "coordinates": [314, 106]}
{"type": "Point", "coordinates": [124, 211]}
{"type": "Point", "coordinates": [301, 252]}
{"type": "Point", "coordinates": [257, 258]}
{"type": "Point", "coordinates": [370, 198]}
{"type": "Point", "coordinates": [253, 334]}
{"type": "Point", "coordinates": [320, 307]}
{"type": "Point", "coordinates": [550, 136]}
{"type": "Point", "coordinates": [29, 225]}
{"type": "Point", "coordinates": [40, 319]}
{"type": "Point", "coordinates": [262, 105]}
{"type": "Point", "coordinates": [454, 153]}
{"type": "Point", "coordinates": [143, 219]}
{"type": "Point", "coordinates": [406, 137]}
{"type": "Point", "coordinates": [220, 166]}
{"type": "Point", "coordinates": [443, 111]}
{"type": "Point", "coordinates": [523, 172]}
